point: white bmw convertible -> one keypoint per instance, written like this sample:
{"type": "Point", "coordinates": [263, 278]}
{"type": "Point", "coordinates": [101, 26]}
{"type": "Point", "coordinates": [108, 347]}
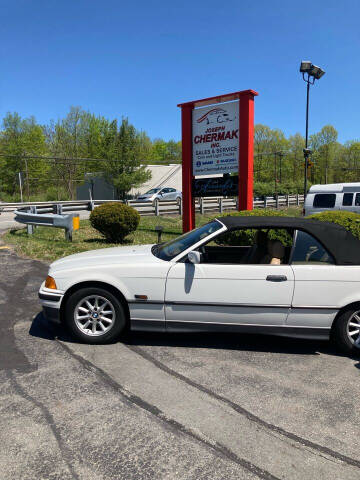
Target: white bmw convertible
{"type": "Point", "coordinates": [308, 286]}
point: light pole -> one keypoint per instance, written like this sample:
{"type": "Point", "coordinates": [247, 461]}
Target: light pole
{"type": "Point", "coordinates": [310, 73]}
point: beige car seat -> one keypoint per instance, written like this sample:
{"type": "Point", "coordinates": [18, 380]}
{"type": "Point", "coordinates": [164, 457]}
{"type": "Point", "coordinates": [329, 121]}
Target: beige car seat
{"type": "Point", "coordinates": [275, 253]}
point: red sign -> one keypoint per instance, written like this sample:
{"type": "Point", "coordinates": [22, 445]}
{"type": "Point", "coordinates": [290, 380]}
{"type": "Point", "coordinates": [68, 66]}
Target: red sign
{"type": "Point", "coordinates": [202, 146]}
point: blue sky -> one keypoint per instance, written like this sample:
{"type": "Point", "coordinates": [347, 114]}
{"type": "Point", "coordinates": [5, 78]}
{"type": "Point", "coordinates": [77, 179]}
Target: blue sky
{"type": "Point", "coordinates": [140, 58]}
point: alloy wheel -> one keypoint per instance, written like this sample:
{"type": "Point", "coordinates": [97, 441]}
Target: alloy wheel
{"type": "Point", "coordinates": [94, 315]}
{"type": "Point", "coordinates": [353, 329]}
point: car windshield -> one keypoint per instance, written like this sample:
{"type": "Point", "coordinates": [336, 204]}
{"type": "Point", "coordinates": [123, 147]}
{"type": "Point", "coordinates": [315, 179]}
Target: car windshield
{"type": "Point", "coordinates": [169, 250]}
{"type": "Point", "coordinates": [153, 190]}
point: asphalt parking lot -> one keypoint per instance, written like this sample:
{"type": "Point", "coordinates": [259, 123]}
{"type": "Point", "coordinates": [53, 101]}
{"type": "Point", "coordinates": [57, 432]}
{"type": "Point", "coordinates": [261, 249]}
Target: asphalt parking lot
{"type": "Point", "coordinates": [158, 406]}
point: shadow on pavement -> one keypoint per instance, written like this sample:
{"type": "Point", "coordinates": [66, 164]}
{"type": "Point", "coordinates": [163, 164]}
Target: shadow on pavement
{"type": "Point", "coordinates": [241, 342]}
{"type": "Point", "coordinates": [41, 328]}
{"type": "Point", "coordinates": [229, 341]}
{"type": "Point", "coordinates": [226, 341]}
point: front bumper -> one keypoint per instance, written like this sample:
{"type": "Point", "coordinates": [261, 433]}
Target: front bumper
{"type": "Point", "coordinates": [51, 302]}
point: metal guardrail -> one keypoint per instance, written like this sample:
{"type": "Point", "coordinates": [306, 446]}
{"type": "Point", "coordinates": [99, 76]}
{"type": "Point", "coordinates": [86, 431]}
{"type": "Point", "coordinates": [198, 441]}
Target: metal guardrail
{"type": "Point", "coordinates": [158, 207]}
{"type": "Point", "coordinates": [225, 204]}
{"type": "Point", "coordinates": [12, 206]}
{"type": "Point", "coordinates": [52, 214]}
{"type": "Point", "coordinates": [32, 217]}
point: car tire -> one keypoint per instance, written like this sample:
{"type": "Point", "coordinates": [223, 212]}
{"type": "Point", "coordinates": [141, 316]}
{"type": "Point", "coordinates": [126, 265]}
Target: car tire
{"type": "Point", "coordinates": [93, 327]}
{"type": "Point", "coordinates": [178, 200]}
{"type": "Point", "coordinates": [344, 333]}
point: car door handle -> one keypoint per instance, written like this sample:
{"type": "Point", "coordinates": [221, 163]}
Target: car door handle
{"type": "Point", "coordinates": [276, 278]}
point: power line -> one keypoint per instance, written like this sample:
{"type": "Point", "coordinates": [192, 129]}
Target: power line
{"type": "Point", "coordinates": [276, 152]}
{"type": "Point", "coordinates": [52, 179]}
{"type": "Point", "coordinates": [61, 159]}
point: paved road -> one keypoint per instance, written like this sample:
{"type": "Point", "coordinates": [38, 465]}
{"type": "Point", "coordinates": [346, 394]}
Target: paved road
{"type": "Point", "coordinates": [167, 406]}
{"type": "Point", "coordinates": [7, 221]}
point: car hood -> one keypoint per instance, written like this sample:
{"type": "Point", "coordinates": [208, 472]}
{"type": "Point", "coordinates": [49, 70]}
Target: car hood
{"type": "Point", "coordinates": [106, 256]}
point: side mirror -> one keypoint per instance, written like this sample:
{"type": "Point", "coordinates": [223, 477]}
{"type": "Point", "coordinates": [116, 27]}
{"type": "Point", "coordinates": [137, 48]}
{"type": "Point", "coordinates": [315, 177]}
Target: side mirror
{"type": "Point", "coordinates": [194, 257]}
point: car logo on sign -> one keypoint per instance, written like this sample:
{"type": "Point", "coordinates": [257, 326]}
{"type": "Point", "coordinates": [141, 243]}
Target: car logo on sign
{"type": "Point", "coordinates": [215, 115]}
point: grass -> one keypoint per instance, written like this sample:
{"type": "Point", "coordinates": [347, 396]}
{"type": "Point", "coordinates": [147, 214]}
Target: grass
{"type": "Point", "coordinates": [292, 211]}
{"type": "Point", "coordinates": [49, 244]}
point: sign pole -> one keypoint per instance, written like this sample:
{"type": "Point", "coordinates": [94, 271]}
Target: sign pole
{"type": "Point", "coordinates": [187, 169]}
{"type": "Point", "coordinates": [246, 152]}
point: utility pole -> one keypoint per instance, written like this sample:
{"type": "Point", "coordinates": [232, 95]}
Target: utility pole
{"type": "Point", "coordinates": [27, 178]}
{"type": "Point", "coordinates": [281, 155]}
{"type": "Point", "coordinates": [21, 190]}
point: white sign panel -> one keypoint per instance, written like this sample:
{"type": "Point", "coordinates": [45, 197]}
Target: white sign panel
{"type": "Point", "coordinates": [215, 142]}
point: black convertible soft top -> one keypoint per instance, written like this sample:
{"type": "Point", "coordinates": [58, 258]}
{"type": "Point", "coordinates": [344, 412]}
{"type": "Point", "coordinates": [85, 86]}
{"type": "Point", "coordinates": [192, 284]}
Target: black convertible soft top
{"type": "Point", "coordinates": [343, 246]}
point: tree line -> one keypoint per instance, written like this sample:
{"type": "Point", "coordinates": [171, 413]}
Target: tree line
{"type": "Point", "coordinates": [53, 159]}
{"type": "Point", "coordinates": [279, 161]}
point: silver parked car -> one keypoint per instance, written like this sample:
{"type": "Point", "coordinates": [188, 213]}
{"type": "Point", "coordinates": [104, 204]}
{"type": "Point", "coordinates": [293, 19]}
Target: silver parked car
{"type": "Point", "coordinates": [164, 193]}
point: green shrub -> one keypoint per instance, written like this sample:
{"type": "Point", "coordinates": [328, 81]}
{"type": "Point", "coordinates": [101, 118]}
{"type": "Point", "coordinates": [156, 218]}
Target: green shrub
{"type": "Point", "coordinates": [263, 189]}
{"type": "Point", "coordinates": [349, 220]}
{"type": "Point", "coordinates": [115, 221]}
{"type": "Point", "coordinates": [246, 236]}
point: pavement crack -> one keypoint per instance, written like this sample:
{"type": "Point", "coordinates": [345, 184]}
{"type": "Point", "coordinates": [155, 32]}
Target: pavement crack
{"type": "Point", "coordinates": [218, 448]}
{"type": "Point", "coordinates": [64, 450]}
{"type": "Point", "coordinates": [323, 451]}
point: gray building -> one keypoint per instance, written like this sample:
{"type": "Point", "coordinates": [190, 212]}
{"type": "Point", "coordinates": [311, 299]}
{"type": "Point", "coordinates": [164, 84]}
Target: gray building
{"type": "Point", "coordinates": [95, 188]}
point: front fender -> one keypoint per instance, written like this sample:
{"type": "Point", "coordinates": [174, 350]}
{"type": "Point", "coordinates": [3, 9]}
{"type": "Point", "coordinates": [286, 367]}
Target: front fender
{"type": "Point", "coordinates": [65, 284]}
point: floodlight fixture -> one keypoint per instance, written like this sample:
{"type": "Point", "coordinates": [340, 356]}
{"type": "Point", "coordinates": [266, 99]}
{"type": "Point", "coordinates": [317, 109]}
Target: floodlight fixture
{"type": "Point", "coordinates": [312, 71]}
{"type": "Point", "coordinates": [305, 66]}
{"type": "Point", "coordinates": [316, 72]}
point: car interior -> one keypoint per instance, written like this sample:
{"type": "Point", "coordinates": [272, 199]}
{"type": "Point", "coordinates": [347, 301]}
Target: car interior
{"type": "Point", "coordinates": [266, 250]}
{"type": "Point", "coordinates": [263, 250]}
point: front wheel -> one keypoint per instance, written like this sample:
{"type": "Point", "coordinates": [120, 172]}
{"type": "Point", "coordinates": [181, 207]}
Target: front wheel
{"type": "Point", "coordinates": [346, 331]}
{"type": "Point", "coordinates": [94, 315]}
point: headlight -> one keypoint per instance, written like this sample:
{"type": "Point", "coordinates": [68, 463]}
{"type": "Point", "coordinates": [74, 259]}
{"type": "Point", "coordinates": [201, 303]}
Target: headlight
{"type": "Point", "coordinates": [50, 283]}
